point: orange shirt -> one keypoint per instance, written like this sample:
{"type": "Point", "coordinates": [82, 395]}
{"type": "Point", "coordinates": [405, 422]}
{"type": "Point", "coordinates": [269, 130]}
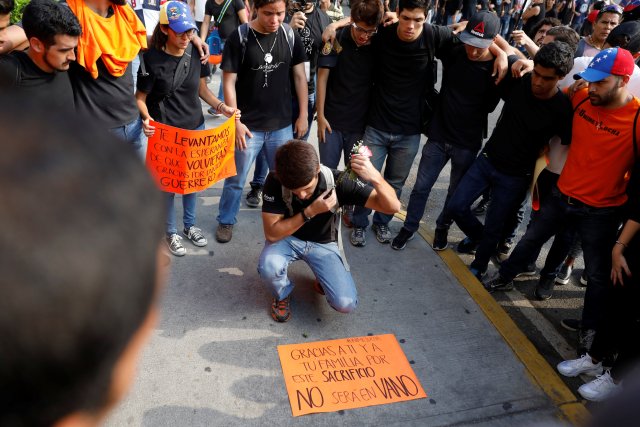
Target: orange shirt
{"type": "Point", "coordinates": [601, 155]}
{"type": "Point", "coordinates": [116, 39]}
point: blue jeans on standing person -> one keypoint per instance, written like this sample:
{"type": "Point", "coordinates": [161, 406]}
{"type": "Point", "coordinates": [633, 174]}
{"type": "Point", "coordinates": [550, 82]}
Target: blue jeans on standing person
{"type": "Point", "coordinates": [598, 229]}
{"type": "Point", "coordinates": [188, 207]}
{"type": "Point", "coordinates": [435, 156]}
{"type": "Point", "coordinates": [504, 28]}
{"type": "Point", "coordinates": [398, 151]}
{"type": "Point", "coordinates": [261, 170]}
{"type": "Point", "coordinates": [335, 145]}
{"type": "Point", "coordinates": [132, 134]}
{"type": "Point", "coordinates": [232, 189]}
{"type": "Point", "coordinates": [507, 192]}
{"type": "Point", "coordinates": [324, 260]}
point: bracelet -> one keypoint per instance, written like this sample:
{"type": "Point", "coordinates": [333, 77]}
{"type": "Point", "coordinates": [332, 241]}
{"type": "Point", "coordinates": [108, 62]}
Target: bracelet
{"type": "Point", "coordinates": [624, 245]}
{"type": "Point", "coordinates": [219, 105]}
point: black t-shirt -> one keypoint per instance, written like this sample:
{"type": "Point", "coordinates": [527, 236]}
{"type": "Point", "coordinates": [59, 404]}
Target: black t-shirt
{"type": "Point", "coordinates": [20, 75]}
{"type": "Point", "coordinates": [183, 108]}
{"type": "Point", "coordinates": [311, 36]}
{"type": "Point", "coordinates": [533, 21]}
{"type": "Point", "coordinates": [467, 95]}
{"type": "Point", "coordinates": [318, 229]}
{"type": "Point", "coordinates": [451, 6]}
{"type": "Point", "coordinates": [108, 99]}
{"type": "Point", "coordinates": [525, 126]}
{"type": "Point", "coordinates": [349, 85]}
{"type": "Point", "coordinates": [263, 90]}
{"type": "Point", "coordinates": [401, 68]}
{"type": "Point", "coordinates": [229, 21]}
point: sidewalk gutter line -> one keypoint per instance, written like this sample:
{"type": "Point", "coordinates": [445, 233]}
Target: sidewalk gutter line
{"type": "Point", "coordinates": [537, 367]}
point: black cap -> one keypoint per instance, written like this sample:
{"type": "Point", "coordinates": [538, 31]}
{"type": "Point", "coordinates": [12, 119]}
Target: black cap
{"type": "Point", "coordinates": [481, 29]}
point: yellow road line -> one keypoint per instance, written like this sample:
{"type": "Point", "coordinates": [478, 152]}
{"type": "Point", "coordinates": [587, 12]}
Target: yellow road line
{"type": "Point", "coordinates": [539, 370]}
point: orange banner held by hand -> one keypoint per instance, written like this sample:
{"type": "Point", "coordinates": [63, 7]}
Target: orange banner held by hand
{"type": "Point", "coordinates": [327, 376]}
{"type": "Point", "coordinates": [186, 161]}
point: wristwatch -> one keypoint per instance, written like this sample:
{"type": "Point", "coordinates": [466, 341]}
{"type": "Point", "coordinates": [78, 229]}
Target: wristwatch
{"type": "Point", "coordinates": [305, 217]}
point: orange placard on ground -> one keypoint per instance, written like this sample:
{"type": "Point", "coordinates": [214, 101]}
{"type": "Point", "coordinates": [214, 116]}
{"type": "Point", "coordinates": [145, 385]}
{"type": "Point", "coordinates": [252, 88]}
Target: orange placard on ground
{"type": "Point", "coordinates": [327, 376]}
{"type": "Point", "coordinates": [186, 161]}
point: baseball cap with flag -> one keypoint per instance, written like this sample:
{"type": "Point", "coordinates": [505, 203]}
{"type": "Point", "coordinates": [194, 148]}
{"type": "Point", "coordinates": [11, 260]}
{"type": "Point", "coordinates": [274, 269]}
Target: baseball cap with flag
{"type": "Point", "coordinates": [481, 29]}
{"type": "Point", "coordinates": [177, 15]}
{"type": "Point", "coordinates": [609, 62]}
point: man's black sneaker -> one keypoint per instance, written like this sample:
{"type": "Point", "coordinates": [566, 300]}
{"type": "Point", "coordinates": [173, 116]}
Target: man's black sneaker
{"type": "Point", "coordinates": [467, 246]}
{"type": "Point", "coordinates": [498, 284]}
{"type": "Point", "coordinates": [281, 310]}
{"type": "Point", "coordinates": [527, 273]}
{"type": "Point", "coordinates": [502, 253]}
{"type": "Point", "coordinates": [440, 239]}
{"type": "Point", "coordinates": [481, 207]}
{"type": "Point", "coordinates": [400, 241]}
{"type": "Point", "coordinates": [254, 196]}
{"type": "Point", "coordinates": [544, 289]}
{"type": "Point", "coordinates": [571, 324]}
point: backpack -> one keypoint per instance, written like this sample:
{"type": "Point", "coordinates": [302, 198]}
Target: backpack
{"type": "Point", "coordinates": [430, 101]}
{"type": "Point", "coordinates": [336, 229]}
{"type": "Point", "coordinates": [243, 32]}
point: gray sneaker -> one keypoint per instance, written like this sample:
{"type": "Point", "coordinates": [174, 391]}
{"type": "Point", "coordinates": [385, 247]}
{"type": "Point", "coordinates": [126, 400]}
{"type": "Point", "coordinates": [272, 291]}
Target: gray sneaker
{"type": "Point", "coordinates": [194, 234]}
{"type": "Point", "coordinates": [383, 234]}
{"type": "Point", "coordinates": [358, 237]}
{"type": "Point", "coordinates": [175, 245]}
{"type": "Point", "coordinates": [224, 232]}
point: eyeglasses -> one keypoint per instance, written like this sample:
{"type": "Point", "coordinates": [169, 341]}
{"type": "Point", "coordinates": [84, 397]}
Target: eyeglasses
{"type": "Point", "coordinates": [363, 31]}
{"type": "Point", "coordinates": [188, 34]}
{"type": "Point", "coordinates": [611, 8]}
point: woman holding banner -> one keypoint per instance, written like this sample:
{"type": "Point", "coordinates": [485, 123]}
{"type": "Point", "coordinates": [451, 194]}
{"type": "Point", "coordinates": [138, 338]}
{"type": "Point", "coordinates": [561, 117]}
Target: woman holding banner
{"type": "Point", "coordinates": [171, 80]}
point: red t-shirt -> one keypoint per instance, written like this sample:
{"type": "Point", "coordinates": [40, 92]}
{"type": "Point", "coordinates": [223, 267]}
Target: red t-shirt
{"type": "Point", "coordinates": [601, 155]}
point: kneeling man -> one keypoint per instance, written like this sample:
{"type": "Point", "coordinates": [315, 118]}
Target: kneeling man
{"type": "Point", "coordinates": [298, 218]}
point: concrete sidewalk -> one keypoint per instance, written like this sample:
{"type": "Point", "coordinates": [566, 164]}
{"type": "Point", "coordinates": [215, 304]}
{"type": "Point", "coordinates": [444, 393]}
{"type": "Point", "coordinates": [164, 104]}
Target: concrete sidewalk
{"type": "Point", "coordinates": [213, 360]}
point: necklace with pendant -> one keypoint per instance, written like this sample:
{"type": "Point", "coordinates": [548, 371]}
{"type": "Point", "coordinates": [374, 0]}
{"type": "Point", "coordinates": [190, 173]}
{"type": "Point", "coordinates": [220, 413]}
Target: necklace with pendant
{"type": "Point", "coordinates": [268, 58]}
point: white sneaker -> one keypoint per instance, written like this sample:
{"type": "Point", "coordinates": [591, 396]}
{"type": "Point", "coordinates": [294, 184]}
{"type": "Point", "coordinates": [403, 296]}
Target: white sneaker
{"type": "Point", "coordinates": [599, 389]}
{"type": "Point", "coordinates": [575, 367]}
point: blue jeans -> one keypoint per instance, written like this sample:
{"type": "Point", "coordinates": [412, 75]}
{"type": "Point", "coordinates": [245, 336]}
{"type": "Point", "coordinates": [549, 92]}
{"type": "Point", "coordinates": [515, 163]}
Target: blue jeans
{"type": "Point", "coordinates": [337, 143]}
{"type": "Point", "coordinates": [597, 227]}
{"type": "Point", "coordinates": [399, 152]}
{"type": "Point", "coordinates": [323, 259]}
{"type": "Point", "coordinates": [261, 170]}
{"type": "Point", "coordinates": [189, 207]}
{"type": "Point", "coordinates": [506, 194]}
{"type": "Point", "coordinates": [504, 25]}
{"type": "Point", "coordinates": [132, 134]}
{"type": "Point", "coordinates": [295, 112]}
{"type": "Point", "coordinates": [435, 156]}
{"type": "Point", "coordinates": [232, 190]}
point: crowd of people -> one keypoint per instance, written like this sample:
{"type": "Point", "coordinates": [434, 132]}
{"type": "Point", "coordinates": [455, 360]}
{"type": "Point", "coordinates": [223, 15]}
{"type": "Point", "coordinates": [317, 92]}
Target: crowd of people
{"type": "Point", "coordinates": [566, 140]}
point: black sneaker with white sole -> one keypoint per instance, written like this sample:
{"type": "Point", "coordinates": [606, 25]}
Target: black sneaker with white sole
{"type": "Point", "coordinates": [400, 241]}
{"type": "Point", "coordinates": [498, 284]}
{"type": "Point", "coordinates": [174, 242]}
{"type": "Point", "coordinates": [440, 239]}
{"type": "Point", "coordinates": [194, 234]}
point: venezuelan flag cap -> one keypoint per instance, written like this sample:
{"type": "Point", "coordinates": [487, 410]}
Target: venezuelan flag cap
{"type": "Point", "coordinates": [609, 62]}
{"type": "Point", "coordinates": [177, 15]}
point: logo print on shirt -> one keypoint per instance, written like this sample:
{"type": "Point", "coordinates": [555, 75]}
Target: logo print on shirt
{"type": "Point", "coordinates": [478, 30]}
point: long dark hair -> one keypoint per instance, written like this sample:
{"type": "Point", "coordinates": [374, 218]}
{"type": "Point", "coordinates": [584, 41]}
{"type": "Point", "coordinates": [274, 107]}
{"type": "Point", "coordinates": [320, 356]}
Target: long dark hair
{"type": "Point", "coordinates": [158, 38]}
